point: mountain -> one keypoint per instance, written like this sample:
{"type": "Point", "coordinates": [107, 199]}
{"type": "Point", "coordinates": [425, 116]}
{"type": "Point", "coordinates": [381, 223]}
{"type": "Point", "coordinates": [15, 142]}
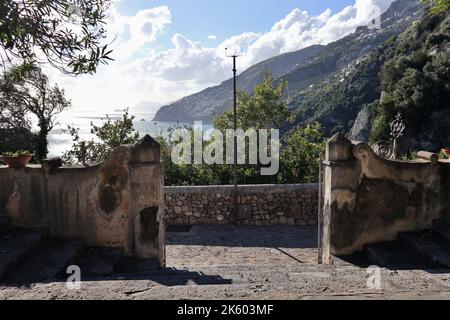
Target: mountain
{"type": "Point", "coordinates": [308, 71]}
{"type": "Point", "coordinates": [344, 79]}
{"type": "Point", "coordinates": [409, 74]}
{"type": "Point", "coordinates": [415, 83]}
{"type": "Point", "coordinates": [216, 100]}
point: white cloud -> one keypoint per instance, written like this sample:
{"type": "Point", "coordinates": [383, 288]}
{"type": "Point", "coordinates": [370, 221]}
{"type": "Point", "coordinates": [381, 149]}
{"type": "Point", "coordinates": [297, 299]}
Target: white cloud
{"type": "Point", "coordinates": [212, 37]}
{"type": "Point", "coordinates": [133, 32]}
{"type": "Point", "coordinates": [203, 66]}
{"type": "Point", "coordinates": [187, 61]}
{"type": "Point", "coordinates": [141, 72]}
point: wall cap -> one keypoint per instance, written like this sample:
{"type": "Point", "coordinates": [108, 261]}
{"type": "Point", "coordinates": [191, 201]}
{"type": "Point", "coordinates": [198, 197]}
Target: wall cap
{"type": "Point", "coordinates": [242, 188]}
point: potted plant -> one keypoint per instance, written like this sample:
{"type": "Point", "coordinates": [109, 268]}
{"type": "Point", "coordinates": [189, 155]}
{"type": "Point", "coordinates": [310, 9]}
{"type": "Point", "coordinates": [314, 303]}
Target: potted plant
{"type": "Point", "coordinates": [18, 159]}
{"type": "Point", "coordinates": [447, 152]}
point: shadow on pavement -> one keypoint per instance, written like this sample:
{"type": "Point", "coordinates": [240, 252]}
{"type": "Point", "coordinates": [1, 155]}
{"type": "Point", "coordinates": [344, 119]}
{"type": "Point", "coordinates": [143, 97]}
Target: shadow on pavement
{"type": "Point", "coordinates": [245, 236]}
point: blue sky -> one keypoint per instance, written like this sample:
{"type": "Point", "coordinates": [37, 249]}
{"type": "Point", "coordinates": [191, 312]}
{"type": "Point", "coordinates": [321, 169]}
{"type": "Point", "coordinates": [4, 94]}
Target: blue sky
{"type": "Point", "coordinates": [167, 49]}
{"type": "Point", "coordinates": [198, 19]}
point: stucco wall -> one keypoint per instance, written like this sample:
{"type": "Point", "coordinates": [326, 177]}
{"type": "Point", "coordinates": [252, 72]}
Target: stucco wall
{"type": "Point", "coordinates": [119, 203]}
{"type": "Point", "coordinates": [258, 204]}
{"type": "Point", "coordinates": [368, 199]}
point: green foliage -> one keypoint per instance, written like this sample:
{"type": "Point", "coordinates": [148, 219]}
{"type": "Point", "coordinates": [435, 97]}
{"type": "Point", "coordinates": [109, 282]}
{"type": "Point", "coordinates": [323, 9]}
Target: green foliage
{"type": "Point", "coordinates": [380, 130]}
{"type": "Point", "coordinates": [409, 157]}
{"type": "Point", "coordinates": [15, 127]}
{"type": "Point", "coordinates": [117, 132]}
{"type": "Point", "coordinates": [265, 109]}
{"type": "Point", "coordinates": [67, 33]}
{"type": "Point", "coordinates": [112, 134]}
{"type": "Point", "coordinates": [442, 155]}
{"type": "Point", "coordinates": [18, 153]}
{"type": "Point", "coordinates": [303, 149]}
{"type": "Point", "coordinates": [12, 113]}
{"type": "Point", "coordinates": [416, 83]}
{"type": "Point", "coordinates": [336, 101]}
{"type": "Point", "coordinates": [189, 174]}
{"type": "Point", "coordinates": [28, 91]}
{"type": "Point", "coordinates": [13, 139]}
{"type": "Point", "coordinates": [438, 6]}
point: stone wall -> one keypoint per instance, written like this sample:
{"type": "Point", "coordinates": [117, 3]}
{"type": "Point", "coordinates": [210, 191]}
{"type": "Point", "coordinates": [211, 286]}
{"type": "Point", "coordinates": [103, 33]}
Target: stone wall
{"type": "Point", "coordinates": [258, 204]}
{"type": "Point", "coordinates": [368, 199]}
{"type": "Point", "coordinates": [118, 203]}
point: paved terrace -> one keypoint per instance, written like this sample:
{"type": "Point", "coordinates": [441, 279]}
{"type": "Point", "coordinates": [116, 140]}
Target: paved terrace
{"type": "Point", "coordinates": [227, 262]}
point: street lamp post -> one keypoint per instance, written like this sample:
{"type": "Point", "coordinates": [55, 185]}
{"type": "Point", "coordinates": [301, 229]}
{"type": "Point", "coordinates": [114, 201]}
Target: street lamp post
{"type": "Point", "coordinates": [235, 193]}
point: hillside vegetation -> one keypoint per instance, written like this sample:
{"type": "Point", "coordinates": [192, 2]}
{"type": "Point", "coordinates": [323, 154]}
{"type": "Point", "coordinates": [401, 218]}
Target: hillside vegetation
{"type": "Point", "coordinates": [416, 83]}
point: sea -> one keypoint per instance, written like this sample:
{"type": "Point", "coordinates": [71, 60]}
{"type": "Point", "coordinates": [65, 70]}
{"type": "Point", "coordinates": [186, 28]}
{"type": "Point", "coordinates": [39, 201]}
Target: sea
{"type": "Point", "coordinates": [60, 140]}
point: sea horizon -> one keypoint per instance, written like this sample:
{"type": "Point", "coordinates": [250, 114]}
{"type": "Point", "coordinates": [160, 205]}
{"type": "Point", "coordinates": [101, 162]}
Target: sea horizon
{"type": "Point", "coordinates": [61, 141]}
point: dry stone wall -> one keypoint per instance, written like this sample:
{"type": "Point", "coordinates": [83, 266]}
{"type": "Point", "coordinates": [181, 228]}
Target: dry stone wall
{"type": "Point", "coordinates": [258, 205]}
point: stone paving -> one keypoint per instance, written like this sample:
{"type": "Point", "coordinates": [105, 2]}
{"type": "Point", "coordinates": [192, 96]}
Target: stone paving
{"type": "Point", "coordinates": [255, 246]}
{"type": "Point", "coordinates": [225, 262]}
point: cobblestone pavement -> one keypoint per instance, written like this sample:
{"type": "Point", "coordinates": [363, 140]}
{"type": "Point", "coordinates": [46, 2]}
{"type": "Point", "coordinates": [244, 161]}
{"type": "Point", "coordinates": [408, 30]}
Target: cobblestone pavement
{"type": "Point", "coordinates": [245, 245]}
{"type": "Point", "coordinates": [225, 262]}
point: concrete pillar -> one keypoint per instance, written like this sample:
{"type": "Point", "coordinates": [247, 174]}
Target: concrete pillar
{"type": "Point", "coordinates": [340, 181]}
{"type": "Point", "coordinates": [147, 196]}
{"type": "Point", "coordinates": [339, 148]}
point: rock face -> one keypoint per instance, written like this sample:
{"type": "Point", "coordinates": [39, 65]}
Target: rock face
{"type": "Point", "coordinates": [361, 129]}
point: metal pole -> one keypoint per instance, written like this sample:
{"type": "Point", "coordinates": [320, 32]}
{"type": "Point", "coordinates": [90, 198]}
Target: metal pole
{"type": "Point", "coordinates": [236, 220]}
{"type": "Point", "coordinates": [235, 162]}
{"type": "Point", "coordinates": [320, 215]}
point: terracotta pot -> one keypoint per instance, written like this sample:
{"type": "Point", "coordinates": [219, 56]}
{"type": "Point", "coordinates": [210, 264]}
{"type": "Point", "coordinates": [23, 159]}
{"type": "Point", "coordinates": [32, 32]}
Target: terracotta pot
{"type": "Point", "coordinates": [16, 162]}
{"type": "Point", "coordinates": [447, 152]}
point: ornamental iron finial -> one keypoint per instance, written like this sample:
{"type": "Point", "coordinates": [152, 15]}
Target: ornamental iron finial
{"type": "Point", "coordinates": [388, 149]}
{"type": "Point", "coordinates": [397, 127]}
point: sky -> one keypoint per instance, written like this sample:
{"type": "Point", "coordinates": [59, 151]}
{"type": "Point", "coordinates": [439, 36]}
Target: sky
{"type": "Point", "coordinates": [167, 49]}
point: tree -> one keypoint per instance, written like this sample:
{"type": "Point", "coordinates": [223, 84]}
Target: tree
{"type": "Point", "coordinates": [181, 174]}
{"type": "Point", "coordinates": [15, 127]}
{"type": "Point", "coordinates": [29, 91]}
{"type": "Point", "coordinates": [415, 82]}
{"type": "Point", "coordinates": [15, 139]}
{"type": "Point", "coordinates": [12, 116]}
{"type": "Point", "coordinates": [265, 109]}
{"type": "Point", "coordinates": [112, 134]}
{"type": "Point", "coordinates": [303, 148]}
{"type": "Point", "coordinates": [68, 34]}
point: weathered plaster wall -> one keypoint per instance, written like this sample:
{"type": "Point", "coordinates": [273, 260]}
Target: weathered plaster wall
{"type": "Point", "coordinates": [368, 199]}
{"type": "Point", "coordinates": [258, 204]}
{"type": "Point", "coordinates": [119, 203]}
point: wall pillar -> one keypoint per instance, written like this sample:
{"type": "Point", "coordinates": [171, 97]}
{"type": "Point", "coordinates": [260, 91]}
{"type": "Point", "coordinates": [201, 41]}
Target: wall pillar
{"type": "Point", "coordinates": [340, 183]}
{"type": "Point", "coordinates": [147, 194]}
